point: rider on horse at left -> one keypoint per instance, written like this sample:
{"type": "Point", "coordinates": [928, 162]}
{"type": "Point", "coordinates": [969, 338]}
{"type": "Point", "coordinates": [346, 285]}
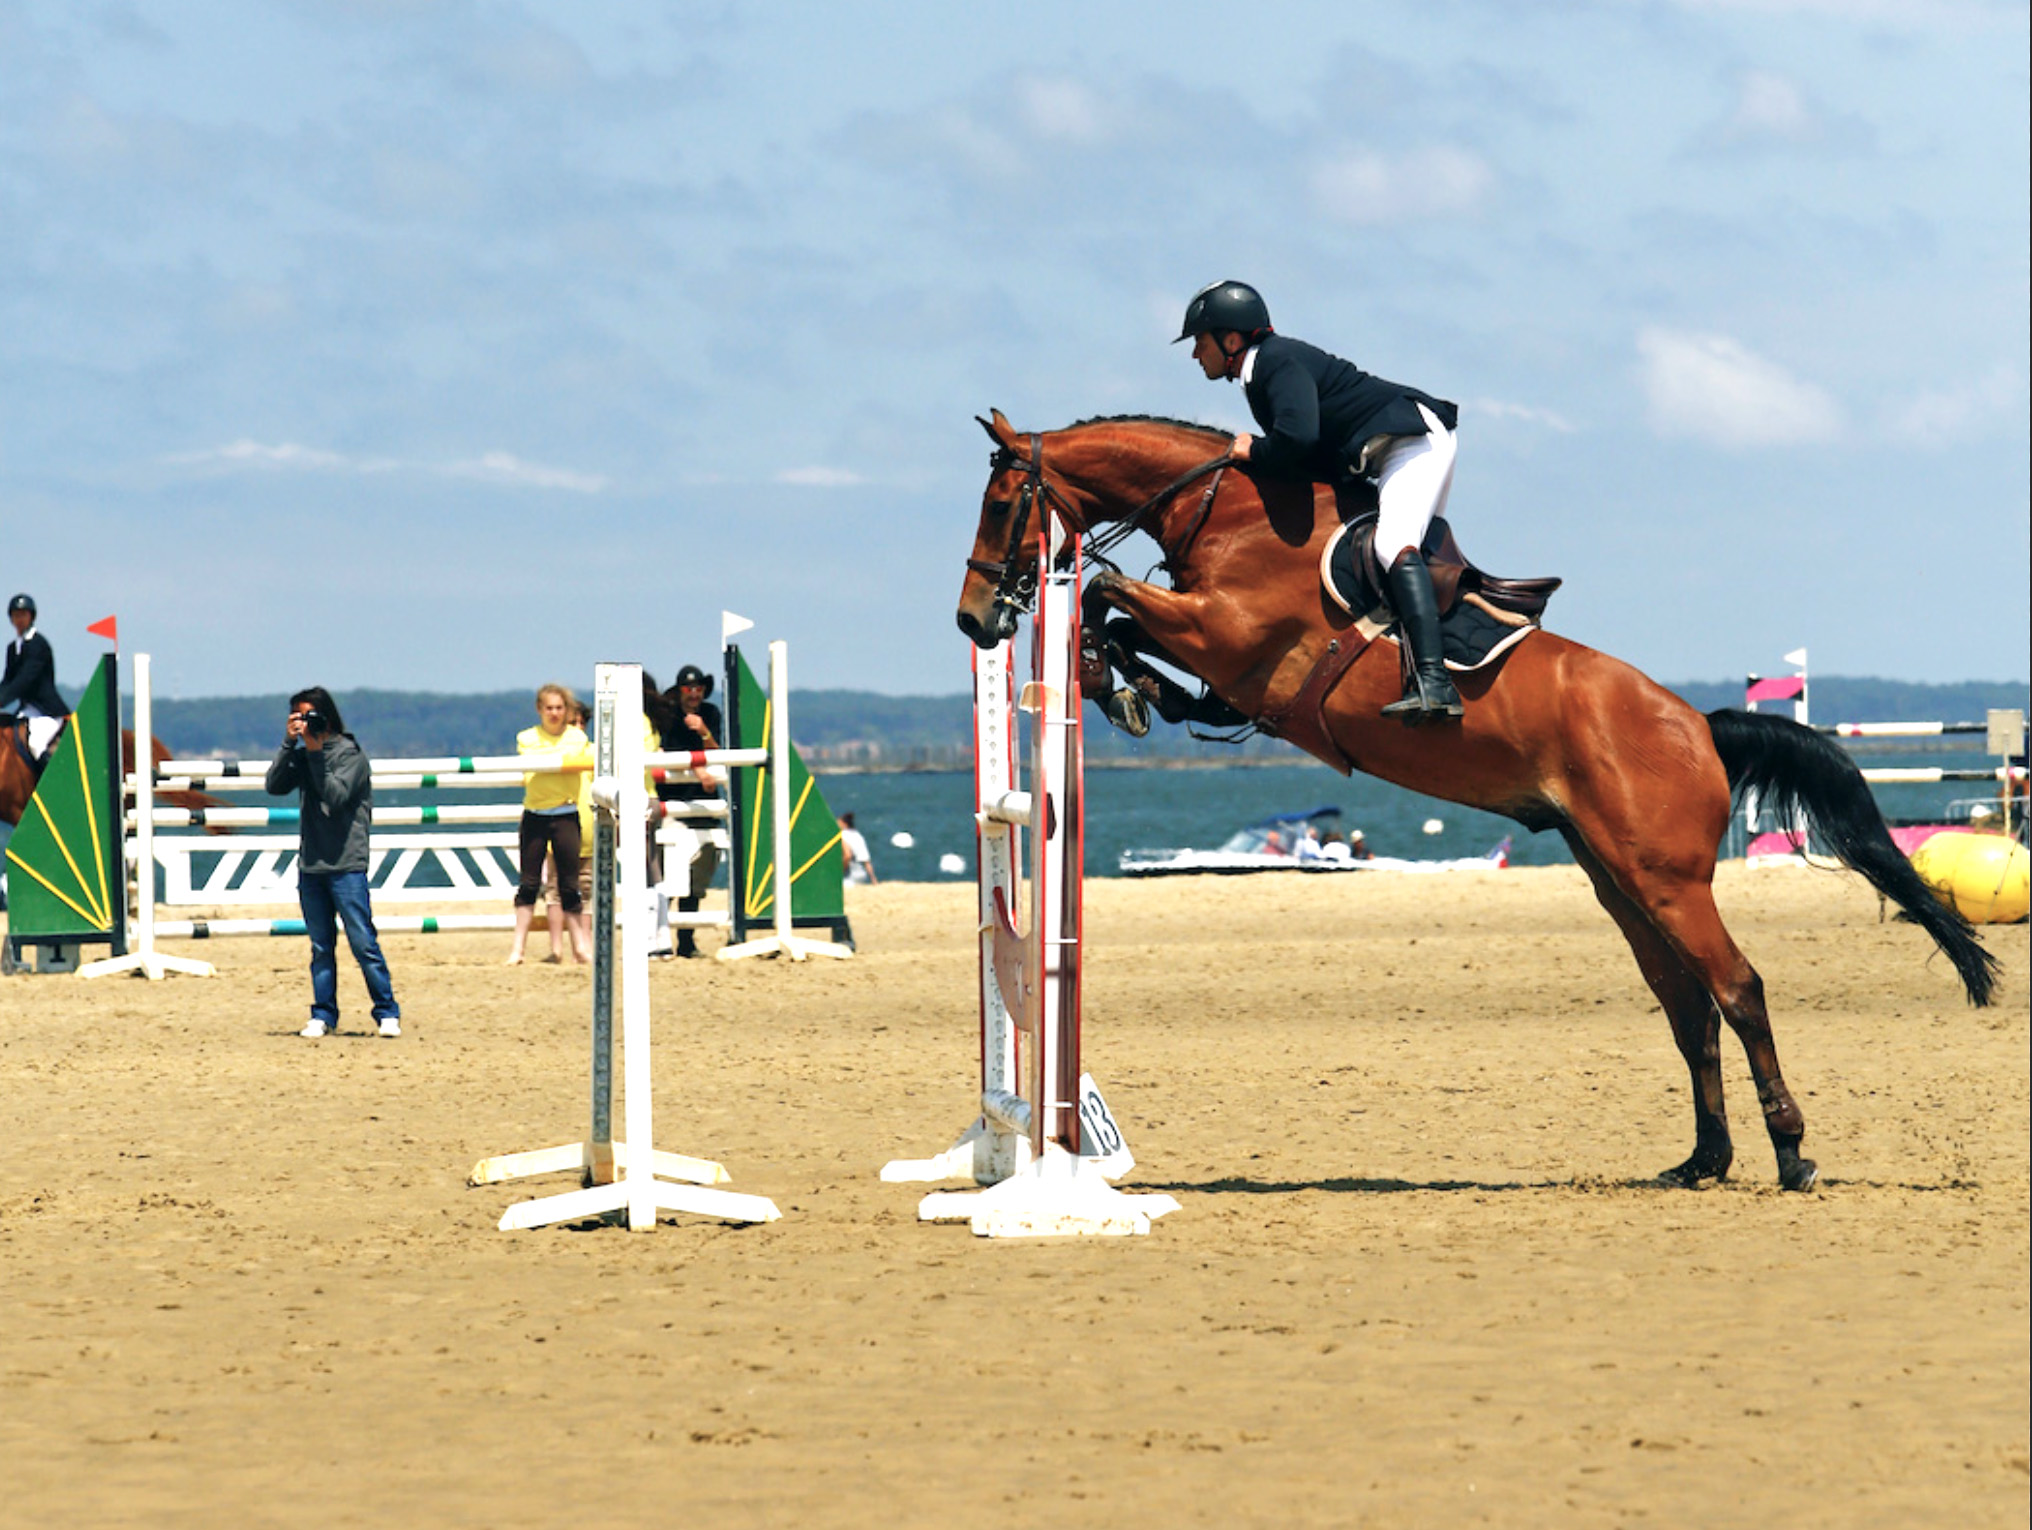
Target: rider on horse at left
{"type": "Point", "coordinates": [1327, 421]}
{"type": "Point", "coordinates": [28, 692]}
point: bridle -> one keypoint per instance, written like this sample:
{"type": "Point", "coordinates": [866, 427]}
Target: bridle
{"type": "Point", "coordinates": [1016, 583]}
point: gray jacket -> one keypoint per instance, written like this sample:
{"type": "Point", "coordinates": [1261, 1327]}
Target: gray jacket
{"type": "Point", "coordinates": [337, 801]}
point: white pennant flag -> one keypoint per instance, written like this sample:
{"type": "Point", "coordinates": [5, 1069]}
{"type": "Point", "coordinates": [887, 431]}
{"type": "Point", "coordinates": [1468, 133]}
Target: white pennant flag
{"type": "Point", "coordinates": [731, 625]}
{"type": "Point", "coordinates": [1797, 658]}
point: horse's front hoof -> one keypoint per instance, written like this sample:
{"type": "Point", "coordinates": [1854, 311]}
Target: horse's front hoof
{"type": "Point", "coordinates": [1127, 711]}
{"type": "Point", "coordinates": [1800, 1174]}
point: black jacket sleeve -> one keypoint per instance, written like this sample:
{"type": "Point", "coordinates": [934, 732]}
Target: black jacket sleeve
{"type": "Point", "coordinates": [285, 771]}
{"type": "Point", "coordinates": [1288, 411]}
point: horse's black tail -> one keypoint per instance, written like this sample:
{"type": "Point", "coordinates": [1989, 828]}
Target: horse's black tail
{"type": "Point", "coordinates": [1800, 774]}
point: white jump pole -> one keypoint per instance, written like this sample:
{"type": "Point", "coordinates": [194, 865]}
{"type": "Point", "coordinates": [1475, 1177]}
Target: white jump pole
{"type": "Point", "coordinates": [784, 939]}
{"type": "Point", "coordinates": [144, 958]}
{"type": "Point", "coordinates": [623, 804]}
{"type": "Point", "coordinates": [1044, 1140]}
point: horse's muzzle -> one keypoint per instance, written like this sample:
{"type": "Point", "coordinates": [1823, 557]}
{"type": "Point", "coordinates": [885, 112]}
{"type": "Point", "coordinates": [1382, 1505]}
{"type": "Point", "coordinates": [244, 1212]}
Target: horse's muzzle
{"type": "Point", "coordinates": [999, 627]}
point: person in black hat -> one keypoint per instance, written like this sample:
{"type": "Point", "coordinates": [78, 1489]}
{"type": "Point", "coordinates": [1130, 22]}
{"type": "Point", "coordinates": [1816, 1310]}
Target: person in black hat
{"type": "Point", "coordinates": [334, 781]}
{"type": "Point", "coordinates": [28, 685]}
{"type": "Point", "coordinates": [698, 725]}
{"type": "Point", "coordinates": [1325, 420]}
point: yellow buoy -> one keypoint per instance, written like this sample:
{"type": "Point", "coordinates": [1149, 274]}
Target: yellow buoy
{"type": "Point", "coordinates": [1987, 877]}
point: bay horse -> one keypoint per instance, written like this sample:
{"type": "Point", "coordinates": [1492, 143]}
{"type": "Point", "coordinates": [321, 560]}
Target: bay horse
{"type": "Point", "coordinates": [1556, 735]}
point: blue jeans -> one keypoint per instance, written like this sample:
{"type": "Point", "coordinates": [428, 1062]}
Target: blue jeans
{"type": "Point", "coordinates": [327, 897]}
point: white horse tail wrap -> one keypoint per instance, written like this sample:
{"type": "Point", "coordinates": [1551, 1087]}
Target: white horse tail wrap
{"type": "Point", "coordinates": [1044, 1143]}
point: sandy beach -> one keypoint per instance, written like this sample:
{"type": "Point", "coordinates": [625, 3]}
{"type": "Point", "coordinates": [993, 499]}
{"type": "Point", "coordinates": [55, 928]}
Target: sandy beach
{"type": "Point", "coordinates": [1420, 1275]}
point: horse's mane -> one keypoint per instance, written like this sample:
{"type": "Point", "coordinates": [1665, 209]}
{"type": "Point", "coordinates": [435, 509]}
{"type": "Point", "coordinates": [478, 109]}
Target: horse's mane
{"type": "Point", "coordinates": [1212, 431]}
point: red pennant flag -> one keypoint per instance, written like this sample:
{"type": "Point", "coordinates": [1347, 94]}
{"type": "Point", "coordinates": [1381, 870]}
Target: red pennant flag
{"type": "Point", "coordinates": [108, 629]}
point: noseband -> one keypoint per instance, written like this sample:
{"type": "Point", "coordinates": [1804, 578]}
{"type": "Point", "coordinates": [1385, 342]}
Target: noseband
{"type": "Point", "coordinates": [1016, 584]}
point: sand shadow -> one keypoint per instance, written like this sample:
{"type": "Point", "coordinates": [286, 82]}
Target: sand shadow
{"type": "Point", "coordinates": [1235, 1185]}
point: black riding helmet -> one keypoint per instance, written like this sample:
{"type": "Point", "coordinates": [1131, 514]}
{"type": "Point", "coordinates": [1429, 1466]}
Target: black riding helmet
{"type": "Point", "coordinates": [1225, 305]}
{"type": "Point", "coordinates": [691, 674]}
{"type": "Point", "coordinates": [21, 603]}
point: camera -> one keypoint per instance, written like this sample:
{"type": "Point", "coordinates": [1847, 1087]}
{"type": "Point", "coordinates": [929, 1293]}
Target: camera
{"type": "Point", "coordinates": [313, 721]}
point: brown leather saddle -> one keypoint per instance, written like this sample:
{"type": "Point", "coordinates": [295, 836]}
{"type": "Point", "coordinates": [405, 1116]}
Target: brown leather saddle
{"type": "Point", "coordinates": [1356, 580]}
{"type": "Point", "coordinates": [1482, 617]}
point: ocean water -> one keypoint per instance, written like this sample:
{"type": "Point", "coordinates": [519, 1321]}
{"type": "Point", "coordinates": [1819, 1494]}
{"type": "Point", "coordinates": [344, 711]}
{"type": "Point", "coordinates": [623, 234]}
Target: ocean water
{"type": "Point", "coordinates": [1199, 808]}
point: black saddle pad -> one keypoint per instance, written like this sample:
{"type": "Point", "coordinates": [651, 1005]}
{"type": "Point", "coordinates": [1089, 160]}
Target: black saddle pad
{"type": "Point", "coordinates": [1473, 631]}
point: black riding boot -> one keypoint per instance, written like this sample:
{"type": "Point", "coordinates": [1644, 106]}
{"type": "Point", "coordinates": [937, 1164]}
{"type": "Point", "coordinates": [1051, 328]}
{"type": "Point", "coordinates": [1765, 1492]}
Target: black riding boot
{"type": "Point", "coordinates": [1430, 692]}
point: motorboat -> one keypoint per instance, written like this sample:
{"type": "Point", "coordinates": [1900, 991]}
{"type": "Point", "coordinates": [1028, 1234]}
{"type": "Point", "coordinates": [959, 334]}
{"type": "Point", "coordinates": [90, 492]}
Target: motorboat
{"type": "Point", "coordinates": [1307, 842]}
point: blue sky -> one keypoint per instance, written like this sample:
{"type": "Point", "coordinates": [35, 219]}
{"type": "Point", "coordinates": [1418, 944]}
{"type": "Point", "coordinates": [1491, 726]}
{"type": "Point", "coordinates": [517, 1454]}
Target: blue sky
{"type": "Point", "coordinates": [457, 346]}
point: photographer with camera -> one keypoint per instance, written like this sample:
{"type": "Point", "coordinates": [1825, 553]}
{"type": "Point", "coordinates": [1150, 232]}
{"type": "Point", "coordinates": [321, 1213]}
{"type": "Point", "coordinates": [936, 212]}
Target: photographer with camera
{"type": "Point", "coordinates": [329, 770]}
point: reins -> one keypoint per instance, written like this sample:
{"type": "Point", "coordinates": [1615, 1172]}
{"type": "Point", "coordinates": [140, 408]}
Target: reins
{"type": "Point", "coordinates": [1101, 544]}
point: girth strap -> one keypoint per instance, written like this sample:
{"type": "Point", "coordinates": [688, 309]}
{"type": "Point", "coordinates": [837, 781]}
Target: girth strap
{"type": "Point", "coordinates": [1302, 719]}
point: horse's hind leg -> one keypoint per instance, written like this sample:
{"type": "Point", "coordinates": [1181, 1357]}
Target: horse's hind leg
{"type": "Point", "coordinates": [1696, 1023]}
{"type": "Point", "coordinates": [1694, 926]}
{"type": "Point", "coordinates": [1680, 905]}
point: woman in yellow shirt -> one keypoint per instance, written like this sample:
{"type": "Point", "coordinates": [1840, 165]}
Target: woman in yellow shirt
{"type": "Point", "coordinates": [550, 821]}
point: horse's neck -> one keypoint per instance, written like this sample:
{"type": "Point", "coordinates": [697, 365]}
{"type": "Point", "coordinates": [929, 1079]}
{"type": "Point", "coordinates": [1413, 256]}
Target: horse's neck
{"type": "Point", "coordinates": [1123, 470]}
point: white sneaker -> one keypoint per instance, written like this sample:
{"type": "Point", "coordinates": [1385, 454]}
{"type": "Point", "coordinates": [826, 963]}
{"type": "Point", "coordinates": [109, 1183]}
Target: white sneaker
{"type": "Point", "coordinates": [390, 1026]}
{"type": "Point", "coordinates": [315, 1029]}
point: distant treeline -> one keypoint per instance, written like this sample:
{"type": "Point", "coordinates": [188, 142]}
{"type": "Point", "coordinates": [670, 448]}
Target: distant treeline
{"type": "Point", "coordinates": [847, 730]}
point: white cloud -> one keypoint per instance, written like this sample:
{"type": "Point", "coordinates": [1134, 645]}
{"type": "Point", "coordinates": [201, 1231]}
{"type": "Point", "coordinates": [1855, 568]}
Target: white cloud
{"type": "Point", "coordinates": [245, 453]}
{"type": "Point", "coordinates": [1714, 388]}
{"type": "Point", "coordinates": [1363, 186]}
{"type": "Point", "coordinates": [503, 468]}
{"type": "Point", "coordinates": [820, 477]}
{"type": "Point", "coordinates": [1949, 416]}
{"type": "Point", "coordinates": [1526, 413]}
{"type": "Point", "coordinates": [491, 467]}
{"type": "Point", "coordinates": [1062, 109]}
{"type": "Point", "coordinates": [1769, 105]}
{"type": "Point", "coordinates": [981, 149]}
{"type": "Point", "coordinates": [532, 59]}
{"type": "Point", "coordinates": [1773, 111]}
{"type": "Point", "coordinates": [1904, 15]}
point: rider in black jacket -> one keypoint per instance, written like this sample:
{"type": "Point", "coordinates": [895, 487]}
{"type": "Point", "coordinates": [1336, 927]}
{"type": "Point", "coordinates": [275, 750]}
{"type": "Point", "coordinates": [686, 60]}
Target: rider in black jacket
{"type": "Point", "coordinates": [28, 684]}
{"type": "Point", "coordinates": [1325, 420]}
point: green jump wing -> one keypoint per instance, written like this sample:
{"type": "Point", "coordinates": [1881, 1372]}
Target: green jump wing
{"type": "Point", "coordinates": [816, 871]}
{"type": "Point", "coordinates": [65, 877]}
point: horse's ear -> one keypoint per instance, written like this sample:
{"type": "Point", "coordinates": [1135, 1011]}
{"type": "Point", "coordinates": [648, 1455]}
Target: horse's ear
{"type": "Point", "coordinates": [999, 430]}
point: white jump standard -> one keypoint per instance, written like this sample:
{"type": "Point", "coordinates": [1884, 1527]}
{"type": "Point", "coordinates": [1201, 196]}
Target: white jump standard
{"type": "Point", "coordinates": [627, 1176]}
{"type": "Point", "coordinates": [138, 857]}
{"type": "Point", "coordinates": [1044, 1142]}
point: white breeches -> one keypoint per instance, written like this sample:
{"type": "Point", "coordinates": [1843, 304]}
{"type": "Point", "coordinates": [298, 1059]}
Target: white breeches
{"type": "Point", "coordinates": [42, 732]}
{"type": "Point", "coordinates": [1411, 487]}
